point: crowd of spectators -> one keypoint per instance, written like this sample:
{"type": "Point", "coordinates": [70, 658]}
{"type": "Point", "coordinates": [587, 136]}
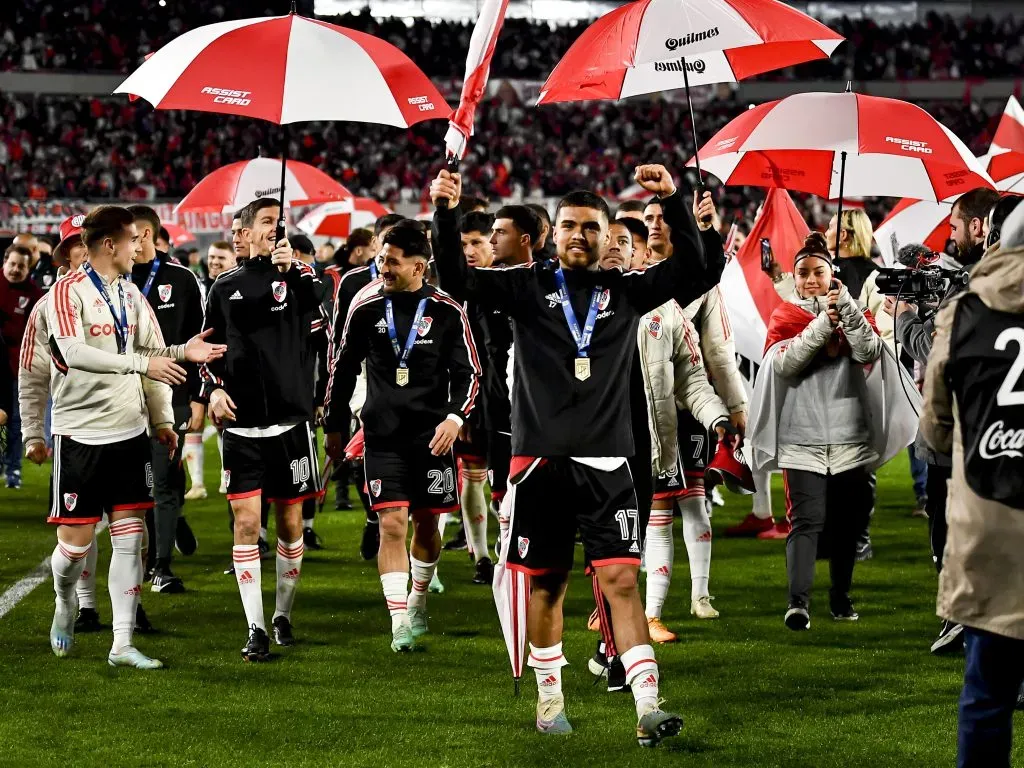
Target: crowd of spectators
{"type": "Point", "coordinates": [96, 148]}
{"type": "Point", "coordinates": [98, 35]}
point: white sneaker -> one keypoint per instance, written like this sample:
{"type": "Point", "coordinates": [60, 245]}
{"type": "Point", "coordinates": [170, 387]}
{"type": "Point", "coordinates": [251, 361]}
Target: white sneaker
{"type": "Point", "coordinates": [196, 492]}
{"type": "Point", "coordinates": [133, 657]}
{"type": "Point", "coordinates": [701, 608]}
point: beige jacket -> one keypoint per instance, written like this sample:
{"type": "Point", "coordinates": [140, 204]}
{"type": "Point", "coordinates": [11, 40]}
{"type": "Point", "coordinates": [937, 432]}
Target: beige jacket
{"type": "Point", "coordinates": [674, 378]}
{"type": "Point", "coordinates": [709, 316]}
{"type": "Point", "coordinates": [95, 394]}
{"type": "Point", "coordinates": [982, 579]}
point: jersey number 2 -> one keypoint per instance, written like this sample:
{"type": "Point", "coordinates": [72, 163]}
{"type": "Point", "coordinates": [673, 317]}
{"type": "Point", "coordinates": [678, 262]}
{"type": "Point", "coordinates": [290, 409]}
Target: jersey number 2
{"type": "Point", "coordinates": [1008, 393]}
{"type": "Point", "coordinates": [441, 482]}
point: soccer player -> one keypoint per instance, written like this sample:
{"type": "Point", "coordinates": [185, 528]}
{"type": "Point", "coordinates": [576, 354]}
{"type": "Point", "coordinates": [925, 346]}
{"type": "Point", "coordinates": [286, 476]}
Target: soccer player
{"type": "Point", "coordinates": [631, 209]}
{"type": "Point", "coordinates": [262, 392]}
{"type": "Point", "coordinates": [422, 383]}
{"type": "Point", "coordinates": [99, 325]}
{"type": "Point", "coordinates": [515, 231]}
{"type": "Point", "coordinates": [177, 300]}
{"type": "Point", "coordinates": [543, 248]}
{"type": "Point", "coordinates": [575, 335]}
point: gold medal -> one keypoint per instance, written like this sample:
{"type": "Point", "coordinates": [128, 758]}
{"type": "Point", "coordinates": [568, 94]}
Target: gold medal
{"type": "Point", "coordinates": [402, 376]}
{"type": "Point", "coordinates": [582, 368]}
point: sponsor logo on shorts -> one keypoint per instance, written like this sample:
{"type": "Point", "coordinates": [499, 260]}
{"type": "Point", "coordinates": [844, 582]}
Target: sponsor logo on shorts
{"type": "Point", "coordinates": [523, 546]}
{"type": "Point", "coordinates": [304, 487]}
{"type": "Point", "coordinates": [227, 477]}
{"type": "Point", "coordinates": [375, 487]}
{"type": "Point", "coordinates": [70, 501]}
{"type": "Point", "coordinates": [164, 291]}
{"type": "Point", "coordinates": [634, 548]}
{"type": "Point", "coordinates": [448, 499]}
{"type": "Point", "coordinates": [280, 290]}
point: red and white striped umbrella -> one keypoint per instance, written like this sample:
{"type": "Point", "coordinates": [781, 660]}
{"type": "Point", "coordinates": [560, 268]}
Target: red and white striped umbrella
{"type": "Point", "coordinates": [178, 234]}
{"type": "Point", "coordinates": [340, 219]}
{"type": "Point", "coordinates": [229, 188]}
{"type": "Point", "coordinates": [649, 45]}
{"type": "Point", "coordinates": [287, 69]}
{"type": "Point", "coordinates": [1004, 160]}
{"type": "Point", "coordinates": [913, 221]}
{"type": "Point", "coordinates": [833, 144]}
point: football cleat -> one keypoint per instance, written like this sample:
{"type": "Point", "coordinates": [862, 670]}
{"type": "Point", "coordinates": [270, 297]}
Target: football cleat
{"type": "Point", "coordinates": [88, 621]}
{"type": "Point", "coordinates": [701, 608]}
{"type": "Point", "coordinates": [551, 719]}
{"type": "Point", "coordinates": [418, 621]}
{"type": "Point", "coordinates": [283, 634]}
{"type": "Point", "coordinates": [484, 571]}
{"type": "Point", "coordinates": [659, 632]}
{"type": "Point", "coordinates": [166, 582]}
{"type": "Point", "coordinates": [257, 648]}
{"type": "Point", "coordinates": [62, 632]}
{"type": "Point", "coordinates": [751, 525]}
{"type": "Point", "coordinates": [435, 587]}
{"type": "Point", "coordinates": [842, 609]}
{"type": "Point", "coordinates": [779, 531]}
{"type": "Point", "coordinates": [402, 639]}
{"type": "Point", "coordinates": [230, 570]}
{"type": "Point", "coordinates": [196, 493]}
{"type": "Point", "coordinates": [310, 539]}
{"type": "Point", "coordinates": [263, 547]}
{"type": "Point", "coordinates": [132, 657]}
{"type": "Point", "coordinates": [655, 726]}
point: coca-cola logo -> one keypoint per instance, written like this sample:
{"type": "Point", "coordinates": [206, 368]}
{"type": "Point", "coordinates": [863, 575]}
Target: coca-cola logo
{"type": "Point", "coordinates": [999, 441]}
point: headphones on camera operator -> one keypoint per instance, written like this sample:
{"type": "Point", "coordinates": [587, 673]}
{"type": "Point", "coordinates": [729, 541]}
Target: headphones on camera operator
{"type": "Point", "coordinates": [994, 221]}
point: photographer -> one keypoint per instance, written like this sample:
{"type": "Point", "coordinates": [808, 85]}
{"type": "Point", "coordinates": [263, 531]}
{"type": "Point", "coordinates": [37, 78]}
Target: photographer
{"type": "Point", "coordinates": [914, 334]}
{"type": "Point", "coordinates": [977, 347]}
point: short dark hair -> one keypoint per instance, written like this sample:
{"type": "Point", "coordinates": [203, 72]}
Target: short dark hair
{"type": "Point", "coordinates": [631, 206]}
{"type": "Point", "coordinates": [469, 202]}
{"type": "Point", "coordinates": [221, 245]}
{"type": "Point", "coordinates": [358, 238]}
{"type": "Point", "coordinates": [977, 203]}
{"type": "Point", "coordinates": [477, 222]}
{"type": "Point", "coordinates": [583, 198]}
{"type": "Point", "coordinates": [302, 244]}
{"type": "Point", "coordinates": [526, 221]}
{"type": "Point", "coordinates": [541, 211]}
{"type": "Point", "coordinates": [146, 214]}
{"type": "Point", "coordinates": [635, 227]}
{"type": "Point", "coordinates": [411, 237]}
{"type": "Point", "coordinates": [105, 221]}
{"type": "Point", "coordinates": [237, 214]}
{"type": "Point", "coordinates": [386, 221]}
{"type": "Point", "coordinates": [252, 210]}
{"type": "Point", "coordinates": [21, 250]}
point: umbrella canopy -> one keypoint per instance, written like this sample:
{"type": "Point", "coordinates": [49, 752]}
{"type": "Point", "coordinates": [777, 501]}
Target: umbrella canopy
{"type": "Point", "coordinates": [649, 45]}
{"type": "Point", "coordinates": [339, 219]}
{"type": "Point", "coordinates": [1005, 159]}
{"type": "Point", "coordinates": [831, 144]}
{"type": "Point", "coordinates": [287, 69]}
{"type": "Point", "coordinates": [229, 188]}
{"type": "Point", "coordinates": [178, 234]}
{"type": "Point", "coordinates": [913, 221]}
{"type": "Point", "coordinates": [511, 591]}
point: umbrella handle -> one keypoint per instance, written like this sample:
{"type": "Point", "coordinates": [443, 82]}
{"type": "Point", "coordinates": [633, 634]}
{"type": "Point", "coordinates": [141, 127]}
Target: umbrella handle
{"type": "Point", "coordinates": [452, 166]}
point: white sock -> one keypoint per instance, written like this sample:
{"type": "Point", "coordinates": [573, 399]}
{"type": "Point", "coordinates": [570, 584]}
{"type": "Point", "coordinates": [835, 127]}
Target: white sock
{"type": "Point", "coordinates": [263, 533]}
{"type": "Point", "coordinates": [642, 676]}
{"type": "Point", "coordinates": [86, 584]}
{"type": "Point", "coordinates": [192, 453]}
{"type": "Point", "coordinates": [66, 564]}
{"type": "Point", "coordinates": [762, 508]}
{"type": "Point", "coordinates": [307, 525]}
{"type": "Point", "coordinates": [396, 595]}
{"type": "Point", "coordinates": [474, 510]}
{"type": "Point", "coordinates": [547, 664]}
{"type": "Point", "coordinates": [422, 573]}
{"type": "Point", "coordinates": [249, 575]}
{"type": "Point", "coordinates": [289, 569]}
{"type": "Point", "coordinates": [697, 535]}
{"type": "Point", "coordinates": [123, 582]}
{"type": "Point", "coordinates": [659, 552]}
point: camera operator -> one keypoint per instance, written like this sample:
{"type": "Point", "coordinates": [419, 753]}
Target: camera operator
{"type": "Point", "coordinates": [975, 362]}
{"type": "Point", "coordinates": [914, 334]}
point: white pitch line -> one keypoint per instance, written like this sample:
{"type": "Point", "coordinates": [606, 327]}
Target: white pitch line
{"type": "Point", "coordinates": [20, 590]}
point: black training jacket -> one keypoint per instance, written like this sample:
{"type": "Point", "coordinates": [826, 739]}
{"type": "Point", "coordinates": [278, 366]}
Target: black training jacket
{"type": "Point", "coordinates": [265, 319]}
{"type": "Point", "coordinates": [177, 302]}
{"type": "Point", "coordinates": [444, 371]}
{"type": "Point", "coordinates": [553, 413]}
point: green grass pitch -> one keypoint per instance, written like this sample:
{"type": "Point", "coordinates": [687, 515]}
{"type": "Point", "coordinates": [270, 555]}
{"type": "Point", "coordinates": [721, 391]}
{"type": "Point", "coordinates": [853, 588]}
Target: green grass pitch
{"type": "Point", "coordinates": [752, 693]}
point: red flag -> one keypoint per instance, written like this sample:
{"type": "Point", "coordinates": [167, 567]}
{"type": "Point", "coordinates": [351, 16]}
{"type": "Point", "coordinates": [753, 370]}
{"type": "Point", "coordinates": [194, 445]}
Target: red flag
{"type": "Point", "coordinates": [478, 66]}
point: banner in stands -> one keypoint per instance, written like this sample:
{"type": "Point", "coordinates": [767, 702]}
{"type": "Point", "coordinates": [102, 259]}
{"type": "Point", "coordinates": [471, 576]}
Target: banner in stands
{"type": "Point", "coordinates": [45, 216]}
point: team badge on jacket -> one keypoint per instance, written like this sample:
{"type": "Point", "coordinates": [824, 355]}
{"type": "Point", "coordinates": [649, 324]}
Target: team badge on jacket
{"type": "Point", "coordinates": [655, 327]}
{"type": "Point", "coordinates": [375, 487]}
{"type": "Point", "coordinates": [280, 290]}
{"type": "Point", "coordinates": [604, 300]}
{"type": "Point", "coordinates": [424, 326]}
{"type": "Point", "coordinates": [70, 500]}
{"type": "Point", "coordinates": [164, 291]}
{"type": "Point", "coordinates": [523, 546]}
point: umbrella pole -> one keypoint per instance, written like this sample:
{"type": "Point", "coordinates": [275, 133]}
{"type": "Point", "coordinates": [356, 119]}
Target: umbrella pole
{"type": "Point", "coordinates": [452, 166]}
{"type": "Point", "coordinates": [839, 213]}
{"type": "Point", "coordinates": [281, 223]}
{"type": "Point", "coordinates": [693, 128]}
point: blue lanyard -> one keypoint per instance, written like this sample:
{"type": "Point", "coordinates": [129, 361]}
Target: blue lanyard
{"type": "Point", "coordinates": [582, 339]}
{"type": "Point", "coordinates": [373, 269]}
{"type": "Point", "coordinates": [152, 276]}
{"type": "Point", "coordinates": [120, 327]}
{"type": "Point", "coordinates": [389, 313]}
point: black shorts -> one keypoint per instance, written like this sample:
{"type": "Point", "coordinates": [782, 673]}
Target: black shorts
{"type": "Point", "coordinates": [411, 476]}
{"type": "Point", "coordinates": [671, 484]}
{"type": "Point", "coordinates": [499, 460]}
{"type": "Point", "coordinates": [283, 468]}
{"type": "Point", "coordinates": [89, 480]}
{"type": "Point", "coordinates": [474, 449]}
{"type": "Point", "coordinates": [695, 449]}
{"type": "Point", "coordinates": [553, 498]}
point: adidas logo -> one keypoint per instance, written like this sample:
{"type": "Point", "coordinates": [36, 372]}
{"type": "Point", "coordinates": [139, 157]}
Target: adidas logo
{"type": "Point", "coordinates": [706, 536]}
{"type": "Point", "coordinates": [649, 682]}
{"type": "Point", "coordinates": [134, 591]}
{"type": "Point", "coordinates": [663, 571]}
{"type": "Point", "coordinates": [448, 499]}
{"type": "Point", "coordinates": [634, 548]}
{"type": "Point", "coordinates": [85, 575]}
{"type": "Point", "coordinates": [304, 487]}
{"type": "Point", "coordinates": [290, 575]}
{"type": "Point", "coordinates": [673, 482]}
{"type": "Point", "coordinates": [550, 680]}
{"type": "Point", "coordinates": [554, 299]}
{"type": "Point", "coordinates": [235, 295]}
{"type": "Point", "coordinates": [246, 578]}
{"type": "Point", "coordinates": [381, 325]}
